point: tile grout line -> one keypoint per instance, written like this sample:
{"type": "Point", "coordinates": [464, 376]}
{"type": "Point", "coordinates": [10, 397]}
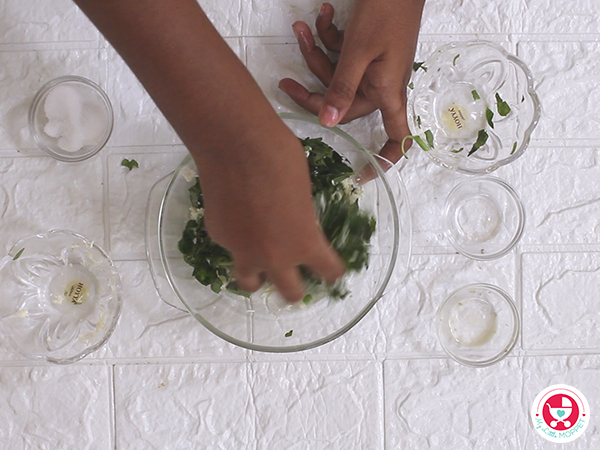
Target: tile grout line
{"type": "Point", "coordinates": [382, 426]}
{"type": "Point", "coordinates": [112, 405]}
{"type": "Point", "coordinates": [519, 292]}
{"type": "Point", "coordinates": [105, 204]}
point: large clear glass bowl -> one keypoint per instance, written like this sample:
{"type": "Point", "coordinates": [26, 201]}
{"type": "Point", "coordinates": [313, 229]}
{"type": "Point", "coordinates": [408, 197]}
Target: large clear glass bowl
{"type": "Point", "coordinates": [263, 322]}
{"type": "Point", "coordinates": [457, 100]}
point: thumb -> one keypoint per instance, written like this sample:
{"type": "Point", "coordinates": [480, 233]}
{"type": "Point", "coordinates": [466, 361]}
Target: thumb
{"type": "Point", "coordinates": [342, 89]}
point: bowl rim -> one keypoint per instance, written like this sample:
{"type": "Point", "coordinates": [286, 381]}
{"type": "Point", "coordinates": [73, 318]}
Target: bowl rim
{"type": "Point", "coordinates": [40, 96]}
{"type": "Point", "coordinates": [113, 320]}
{"type": "Point", "coordinates": [530, 89]}
{"type": "Point", "coordinates": [513, 337]}
{"type": "Point", "coordinates": [518, 233]}
{"type": "Point", "coordinates": [373, 160]}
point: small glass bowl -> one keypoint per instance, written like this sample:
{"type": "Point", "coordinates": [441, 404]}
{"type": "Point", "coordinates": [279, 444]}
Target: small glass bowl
{"type": "Point", "coordinates": [478, 325]}
{"type": "Point", "coordinates": [484, 218]}
{"type": "Point", "coordinates": [474, 105]}
{"type": "Point", "coordinates": [60, 297]}
{"type": "Point", "coordinates": [71, 118]}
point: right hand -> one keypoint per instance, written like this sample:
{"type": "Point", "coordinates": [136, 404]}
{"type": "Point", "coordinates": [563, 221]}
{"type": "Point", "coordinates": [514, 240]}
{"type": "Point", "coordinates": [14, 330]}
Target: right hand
{"type": "Point", "coordinates": [258, 205]}
{"type": "Point", "coordinates": [376, 54]}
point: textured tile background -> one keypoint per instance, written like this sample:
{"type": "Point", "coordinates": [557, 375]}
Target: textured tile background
{"type": "Point", "coordinates": [163, 381]}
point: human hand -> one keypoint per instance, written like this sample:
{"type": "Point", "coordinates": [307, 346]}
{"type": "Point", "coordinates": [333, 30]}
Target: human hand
{"type": "Point", "coordinates": [376, 54]}
{"type": "Point", "coordinates": [258, 205]}
{"type": "Point", "coordinates": [252, 169]}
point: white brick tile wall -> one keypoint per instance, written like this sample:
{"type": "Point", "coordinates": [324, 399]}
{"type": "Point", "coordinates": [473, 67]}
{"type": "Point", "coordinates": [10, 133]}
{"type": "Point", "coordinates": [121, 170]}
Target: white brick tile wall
{"type": "Point", "coordinates": [38, 194]}
{"type": "Point", "coordinates": [566, 83]}
{"type": "Point", "coordinates": [316, 404]}
{"type": "Point", "coordinates": [128, 194]}
{"type": "Point", "coordinates": [570, 213]}
{"type": "Point", "coordinates": [552, 281]}
{"type": "Point", "coordinates": [27, 22]}
{"type": "Point", "coordinates": [55, 407]}
{"type": "Point", "coordinates": [162, 406]}
{"type": "Point", "coordinates": [431, 404]}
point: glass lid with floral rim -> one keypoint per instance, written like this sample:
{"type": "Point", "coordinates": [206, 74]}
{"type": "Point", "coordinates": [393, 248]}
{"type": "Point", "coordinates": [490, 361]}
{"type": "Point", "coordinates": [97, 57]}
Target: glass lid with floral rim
{"type": "Point", "coordinates": [472, 106]}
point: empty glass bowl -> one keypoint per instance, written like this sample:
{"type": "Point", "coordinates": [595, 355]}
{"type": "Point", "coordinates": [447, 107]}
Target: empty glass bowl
{"type": "Point", "coordinates": [484, 218]}
{"type": "Point", "coordinates": [474, 106]}
{"type": "Point", "coordinates": [60, 297]}
{"type": "Point", "coordinates": [262, 322]}
{"type": "Point", "coordinates": [478, 324]}
{"type": "Point", "coordinates": [71, 118]}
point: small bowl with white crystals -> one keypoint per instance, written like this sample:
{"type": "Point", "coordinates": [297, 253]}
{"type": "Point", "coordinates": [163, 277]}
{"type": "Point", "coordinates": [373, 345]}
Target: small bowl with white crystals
{"type": "Point", "coordinates": [71, 118]}
{"type": "Point", "coordinates": [478, 325]}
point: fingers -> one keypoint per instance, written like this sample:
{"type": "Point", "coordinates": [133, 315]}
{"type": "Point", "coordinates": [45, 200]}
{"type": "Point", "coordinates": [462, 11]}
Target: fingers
{"type": "Point", "coordinates": [289, 284]}
{"type": "Point", "coordinates": [318, 62]}
{"type": "Point", "coordinates": [331, 37]}
{"type": "Point", "coordinates": [396, 127]}
{"type": "Point", "coordinates": [310, 101]}
{"type": "Point", "coordinates": [313, 102]}
{"type": "Point", "coordinates": [248, 278]}
{"type": "Point", "coordinates": [342, 89]}
{"type": "Point", "coordinates": [326, 264]}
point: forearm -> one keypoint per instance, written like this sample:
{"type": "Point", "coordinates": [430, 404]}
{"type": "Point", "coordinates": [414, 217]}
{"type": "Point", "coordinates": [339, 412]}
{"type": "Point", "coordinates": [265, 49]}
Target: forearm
{"type": "Point", "coordinates": [186, 67]}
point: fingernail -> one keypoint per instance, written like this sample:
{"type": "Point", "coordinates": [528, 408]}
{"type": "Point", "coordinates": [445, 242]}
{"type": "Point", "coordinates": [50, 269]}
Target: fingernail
{"type": "Point", "coordinates": [322, 10]}
{"type": "Point", "coordinates": [329, 116]}
{"type": "Point", "coordinates": [300, 36]}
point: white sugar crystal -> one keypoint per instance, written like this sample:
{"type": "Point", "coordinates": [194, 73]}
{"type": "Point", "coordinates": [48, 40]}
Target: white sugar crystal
{"type": "Point", "coordinates": [75, 117]}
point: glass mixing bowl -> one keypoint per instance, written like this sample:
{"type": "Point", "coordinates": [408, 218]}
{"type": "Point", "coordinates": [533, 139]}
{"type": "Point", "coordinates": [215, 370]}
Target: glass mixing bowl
{"type": "Point", "coordinates": [474, 106]}
{"type": "Point", "coordinates": [263, 322]}
{"type": "Point", "coordinates": [60, 296]}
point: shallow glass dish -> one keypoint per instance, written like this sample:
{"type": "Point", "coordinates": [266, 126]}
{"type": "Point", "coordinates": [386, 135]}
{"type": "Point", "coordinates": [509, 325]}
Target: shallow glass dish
{"type": "Point", "coordinates": [60, 297]}
{"type": "Point", "coordinates": [478, 324]}
{"type": "Point", "coordinates": [456, 104]}
{"type": "Point", "coordinates": [484, 218]}
{"type": "Point", "coordinates": [71, 118]}
{"type": "Point", "coordinates": [263, 321]}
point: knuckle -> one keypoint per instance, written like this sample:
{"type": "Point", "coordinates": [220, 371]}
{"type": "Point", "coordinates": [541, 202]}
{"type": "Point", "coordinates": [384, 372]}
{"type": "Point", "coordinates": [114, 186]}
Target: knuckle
{"type": "Point", "coordinates": [343, 89]}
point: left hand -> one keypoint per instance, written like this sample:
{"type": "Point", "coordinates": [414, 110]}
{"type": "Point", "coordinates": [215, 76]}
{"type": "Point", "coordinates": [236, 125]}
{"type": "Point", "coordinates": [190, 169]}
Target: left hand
{"type": "Point", "coordinates": [374, 67]}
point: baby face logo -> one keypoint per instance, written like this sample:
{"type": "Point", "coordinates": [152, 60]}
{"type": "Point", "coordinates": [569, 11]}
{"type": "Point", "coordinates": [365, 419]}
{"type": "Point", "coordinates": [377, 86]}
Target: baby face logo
{"type": "Point", "coordinates": [560, 413]}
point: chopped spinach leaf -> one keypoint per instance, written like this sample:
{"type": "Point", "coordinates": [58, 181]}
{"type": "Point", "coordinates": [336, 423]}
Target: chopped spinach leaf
{"type": "Point", "coordinates": [489, 114]}
{"type": "Point", "coordinates": [455, 58]}
{"type": "Point", "coordinates": [289, 333]}
{"type": "Point", "coordinates": [475, 95]}
{"type": "Point", "coordinates": [411, 85]}
{"type": "Point", "coordinates": [502, 106]}
{"type": "Point", "coordinates": [419, 65]}
{"type": "Point", "coordinates": [514, 147]}
{"type": "Point", "coordinates": [130, 163]}
{"type": "Point", "coordinates": [482, 138]}
{"type": "Point", "coordinates": [19, 253]}
{"type": "Point", "coordinates": [429, 137]}
{"type": "Point", "coordinates": [457, 151]}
